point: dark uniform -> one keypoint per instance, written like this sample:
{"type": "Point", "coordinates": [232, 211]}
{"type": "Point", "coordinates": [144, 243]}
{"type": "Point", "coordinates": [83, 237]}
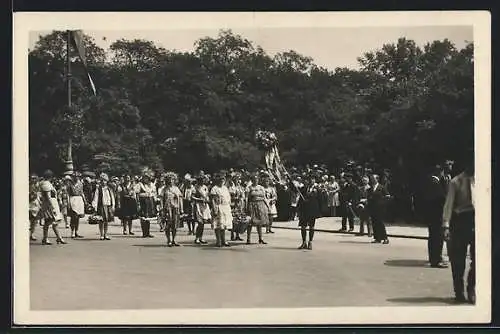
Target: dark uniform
{"type": "Point", "coordinates": [436, 194]}
{"type": "Point", "coordinates": [347, 197]}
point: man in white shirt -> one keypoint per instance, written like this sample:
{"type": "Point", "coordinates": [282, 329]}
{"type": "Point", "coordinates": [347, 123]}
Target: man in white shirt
{"type": "Point", "coordinates": [458, 229]}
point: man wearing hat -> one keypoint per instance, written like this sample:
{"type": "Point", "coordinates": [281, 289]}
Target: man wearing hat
{"type": "Point", "coordinates": [347, 197]}
{"type": "Point", "coordinates": [437, 187]}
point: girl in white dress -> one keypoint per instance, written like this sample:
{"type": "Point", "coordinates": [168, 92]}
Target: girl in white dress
{"type": "Point", "coordinates": [221, 205]}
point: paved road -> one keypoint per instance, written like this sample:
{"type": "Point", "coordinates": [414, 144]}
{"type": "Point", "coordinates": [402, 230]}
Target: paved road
{"type": "Point", "coordinates": [129, 272]}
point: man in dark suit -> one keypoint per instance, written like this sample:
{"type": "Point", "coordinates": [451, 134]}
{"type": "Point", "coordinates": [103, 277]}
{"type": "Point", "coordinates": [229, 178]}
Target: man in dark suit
{"type": "Point", "coordinates": [309, 210]}
{"type": "Point", "coordinates": [347, 197]}
{"type": "Point", "coordinates": [377, 199]}
{"type": "Point", "coordinates": [436, 194]}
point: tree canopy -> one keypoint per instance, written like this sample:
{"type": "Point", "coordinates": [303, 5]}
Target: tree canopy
{"type": "Point", "coordinates": [406, 108]}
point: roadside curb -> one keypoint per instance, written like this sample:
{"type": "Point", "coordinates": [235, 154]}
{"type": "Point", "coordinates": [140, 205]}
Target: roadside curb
{"type": "Point", "coordinates": [401, 236]}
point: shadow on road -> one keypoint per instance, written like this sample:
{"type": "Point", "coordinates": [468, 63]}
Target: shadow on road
{"type": "Point", "coordinates": [151, 245]}
{"type": "Point", "coordinates": [423, 300]}
{"type": "Point", "coordinates": [367, 242]}
{"type": "Point", "coordinates": [219, 249]}
{"type": "Point", "coordinates": [406, 263]}
{"type": "Point", "coordinates": [288, 249]}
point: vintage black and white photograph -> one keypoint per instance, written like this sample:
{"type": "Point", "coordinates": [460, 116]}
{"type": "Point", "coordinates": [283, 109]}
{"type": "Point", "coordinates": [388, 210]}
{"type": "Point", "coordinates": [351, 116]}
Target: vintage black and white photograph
{"type": "Point", "coordinates": [245, 168]}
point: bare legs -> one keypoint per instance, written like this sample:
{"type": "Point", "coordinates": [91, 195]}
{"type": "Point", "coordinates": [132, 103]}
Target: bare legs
{"type": "Point", "coordinates": [46, 226]}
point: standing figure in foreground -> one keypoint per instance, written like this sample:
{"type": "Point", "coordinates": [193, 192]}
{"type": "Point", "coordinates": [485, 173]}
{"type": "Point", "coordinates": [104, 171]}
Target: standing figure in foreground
{"type": "Point", "coordinates": [221, 205]}
{"type": "Point", "coordinates": [49, 210]}
{"type": "Point", "coordinates": [377, 199]}
{"type": "Point", "coordinates": [309, 210]}
{"type": "Point", "coordinates": [147, 205]}
{"type": "Point", "coordinates": [201, 208]}
{"type": "Point", "coordinates": [459, 229]}
{"type": "Point", "coordinates": [257, 207]}
{"type": "Point", "coordinates": [77, 203]}
{"type": "Point", "coordinates": [104, 205]}
{"type": "Point", "coordinates": [172, 207]}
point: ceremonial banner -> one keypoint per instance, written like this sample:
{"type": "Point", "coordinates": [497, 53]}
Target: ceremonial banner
{"type": "Point", "coordinates": [77, 41]}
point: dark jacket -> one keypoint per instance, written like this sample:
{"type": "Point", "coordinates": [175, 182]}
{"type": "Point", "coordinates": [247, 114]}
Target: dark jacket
{"type": "Point", "coordinates": [377, 199]}
{"type": "Point", "coordinates": [348, 193]}
{"type": "Point", "coordinates": [309, 207]}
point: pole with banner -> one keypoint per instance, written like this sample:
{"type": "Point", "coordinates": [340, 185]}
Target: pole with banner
{"type": "Point", "coordinates": [69, 159]}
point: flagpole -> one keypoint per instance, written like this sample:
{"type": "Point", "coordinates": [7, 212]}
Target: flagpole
{"type": "Point", "coordinates": [69, 161]}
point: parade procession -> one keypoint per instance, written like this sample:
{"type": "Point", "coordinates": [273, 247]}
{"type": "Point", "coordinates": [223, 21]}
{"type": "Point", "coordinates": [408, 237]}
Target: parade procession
{"type": "Point", "coordinates": [228, 149]}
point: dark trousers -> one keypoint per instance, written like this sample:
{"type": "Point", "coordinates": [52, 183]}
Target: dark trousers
{"type": "Point", "coordinates": [462, 237]}
{"type": "Point", "coordinates": [379, 231]}
{"type": "Point", "coordinates": [347, 215]}
{"type": "Point", "coordinates": [145, 227]}
{"type": "Point", "coordinates": [435, 241]}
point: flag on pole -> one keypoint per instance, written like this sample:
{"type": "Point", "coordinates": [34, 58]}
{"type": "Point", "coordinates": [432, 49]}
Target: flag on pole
{"type": "Point", "coordinates": [77, 41]}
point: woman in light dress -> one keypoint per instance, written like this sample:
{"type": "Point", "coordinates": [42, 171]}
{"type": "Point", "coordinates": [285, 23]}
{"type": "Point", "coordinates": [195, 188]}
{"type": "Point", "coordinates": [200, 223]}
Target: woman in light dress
{"type": "Point", "coordinates": [104, 204]}
{"type": "Point", "coordinates": [172, 208]}
{"type": "Point", "coordinates": [77, 203]}
{"type": "Point", "coordinates": [221, 205]}
{"type": "Point", "coordinates": [49, 210]}
{"type": "Point", "coordinates": [257, 207]}
{"type": "Point", "coordinates": [271, 197]}
{"type": "Point", "coordinates": [333, 196]}
{"type": "Point", "coordinates": [201, 207]}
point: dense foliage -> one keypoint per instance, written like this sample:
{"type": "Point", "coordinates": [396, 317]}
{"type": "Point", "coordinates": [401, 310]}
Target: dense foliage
{"type": "Point", "coordinates": [406, 108]}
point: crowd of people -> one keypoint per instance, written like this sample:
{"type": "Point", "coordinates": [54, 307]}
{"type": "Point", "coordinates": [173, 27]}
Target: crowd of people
{"type": "Point", "coordinates": [237, 201]}
{"type": "Point", "coordinates": [234, 200]}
